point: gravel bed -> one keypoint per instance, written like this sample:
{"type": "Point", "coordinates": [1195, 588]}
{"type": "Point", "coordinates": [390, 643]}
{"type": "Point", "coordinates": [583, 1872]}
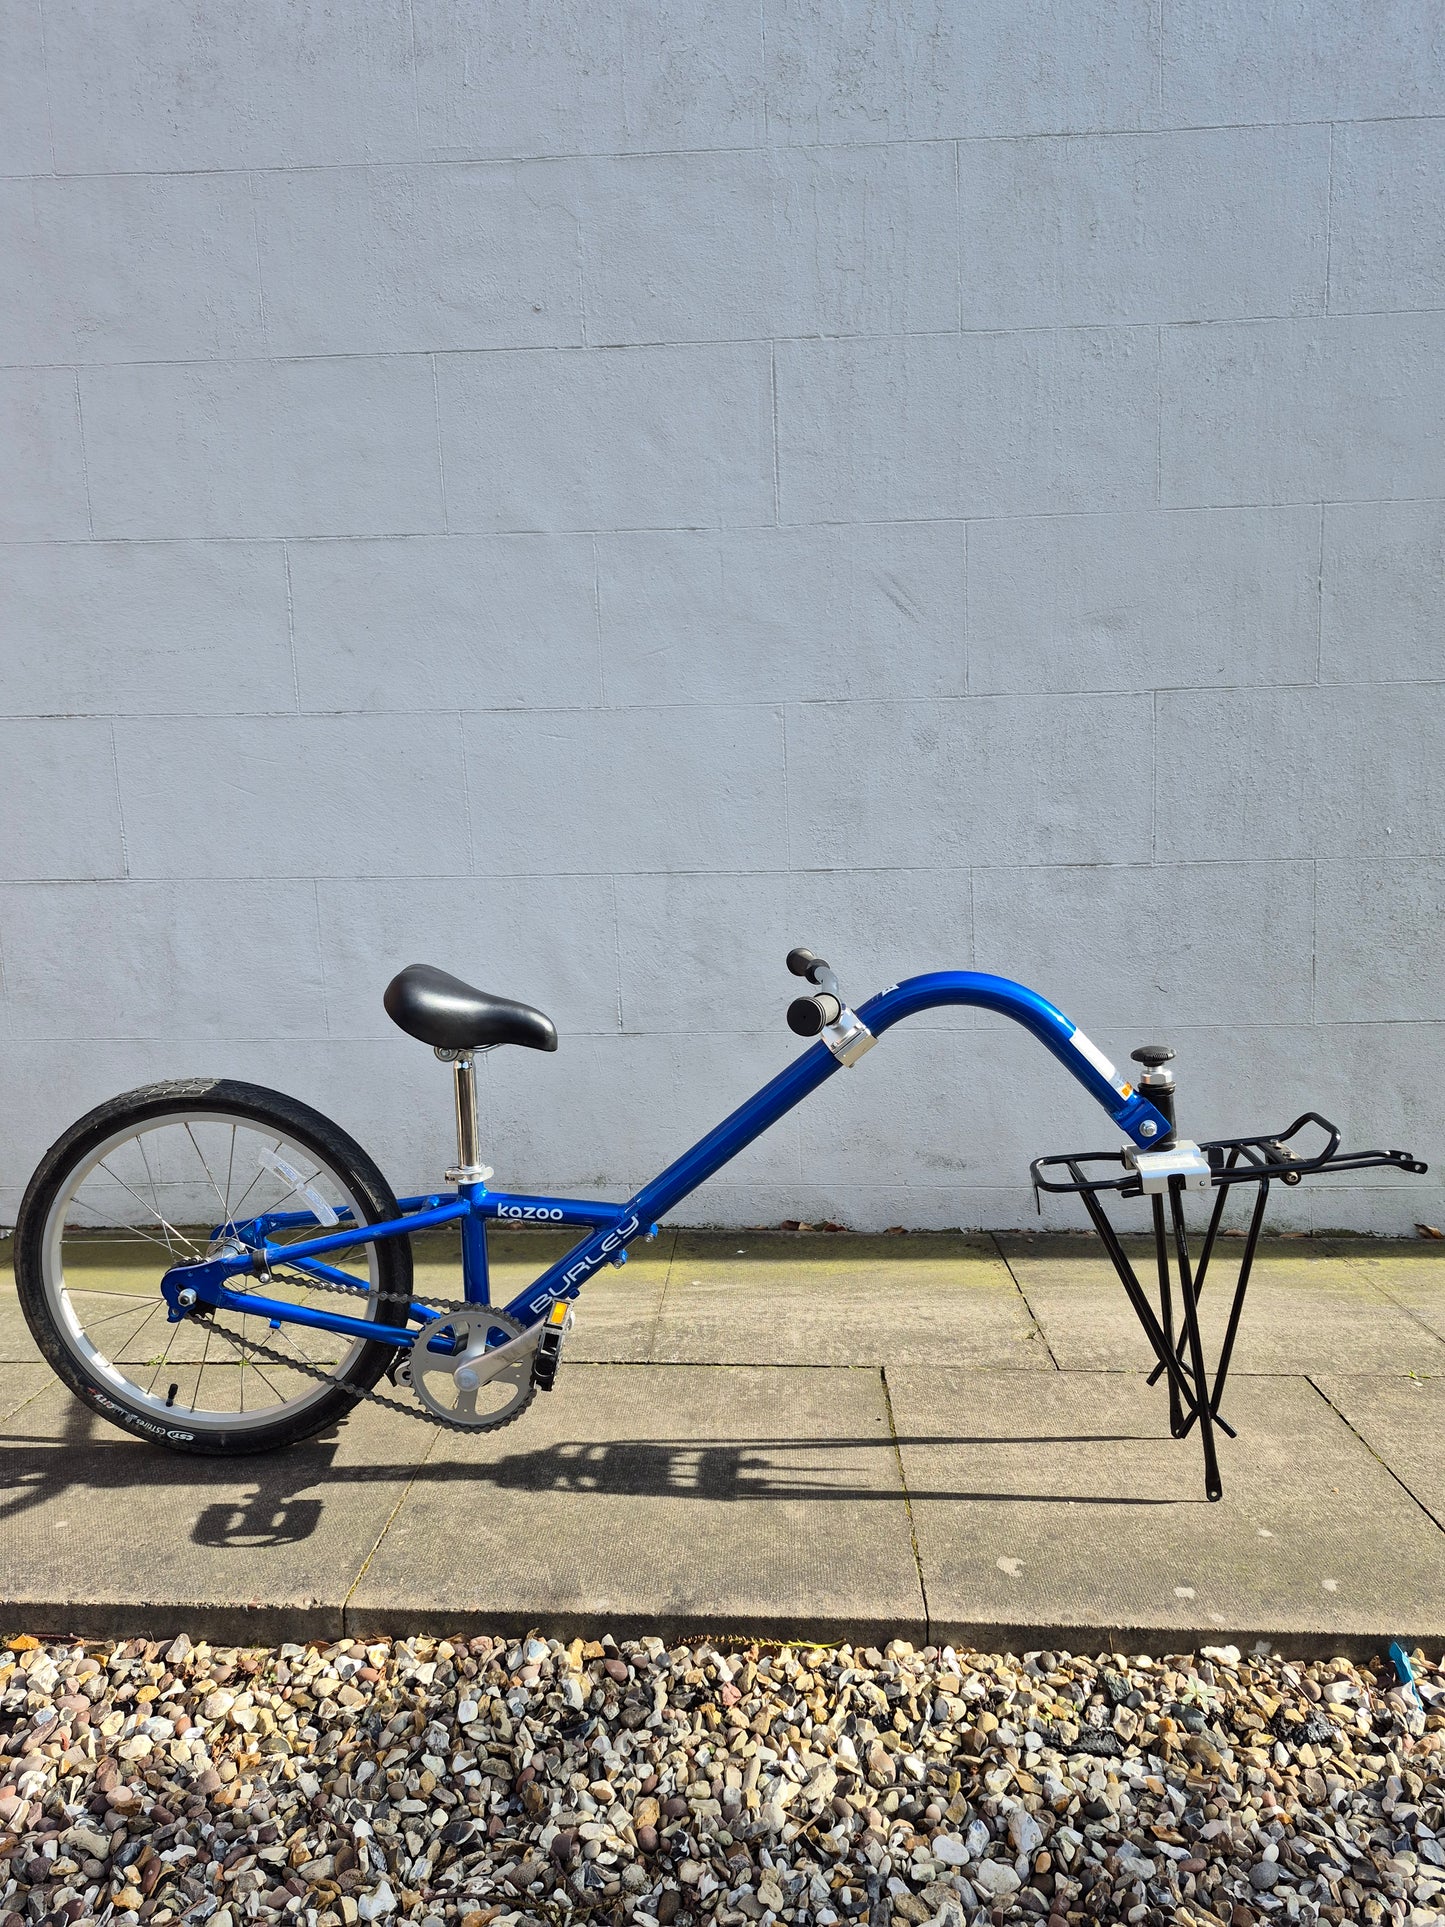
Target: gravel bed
{"type": "Point", "coordinates": [502, 1783]}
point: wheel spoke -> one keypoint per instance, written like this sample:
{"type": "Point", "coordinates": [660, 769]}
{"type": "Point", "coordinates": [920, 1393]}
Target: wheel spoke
{"type": "Point", "coordinates": [164, 1358]}
{"type": "Point", "coordinates": [257, 1179]}
{"type": "Point", "coordinates": [170, 1228]}
{"type": "Point", "coordinates": [288, 1334]}
{"type": "Point", "coordinates": [201, 1373]}
{"type": "Point", "coordinates": [160, 1244]}
{"type": "Point", "coordinates": [225, 1223]}
{"type": "Point", "coordinates": [151, 1179]}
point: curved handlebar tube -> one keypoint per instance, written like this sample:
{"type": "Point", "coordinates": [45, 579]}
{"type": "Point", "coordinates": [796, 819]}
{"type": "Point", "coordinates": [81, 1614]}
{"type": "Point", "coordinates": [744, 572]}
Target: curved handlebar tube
{"type": "Point", "coordinates": [1130, 1110]}
{"type": "Point", "coordinates": [1133, 1113]}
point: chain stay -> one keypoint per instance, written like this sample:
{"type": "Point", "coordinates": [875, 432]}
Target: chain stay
{"type": "Point", "coordinates": [365, 1392]}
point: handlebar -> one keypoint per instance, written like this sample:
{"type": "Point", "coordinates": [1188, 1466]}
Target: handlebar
{"type": "Point", "coordinates": [1129, 1106]}
{"type": "Point", "coordinates": [817, 970]}
{"type": "Point", "coordinates": [811, 1016]}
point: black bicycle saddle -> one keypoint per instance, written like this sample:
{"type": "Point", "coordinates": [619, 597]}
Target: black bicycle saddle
{"type": "Point", "coordinates": [449, 1015]}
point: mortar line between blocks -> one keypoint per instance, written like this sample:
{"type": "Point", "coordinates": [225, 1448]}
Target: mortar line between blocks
{"type": "Point", "coordinates": [436, 404]}
{"type": "Point", "coordinates": [1034, 1319]}
{"type": "Point", "coordinates": [291, 626]}
{"type": "Point", "coordinates": [1329, 218]}
{"type": "Point", "coordinates": [522, 156]}
{"type": "Point", "coordinates": [119, 802]}
{"type": "Point", "coordinates": [84, 457]}
{"type": "Point", "coordinates": [1314, 940]}
{"type": "Point", "coordinates": [387, 1524]}
{"type": "Point", "coordinates": [1320, 602]}
{"type": "Point", "coordinates": [49, 90]}
{"type": "Point", "coordinates": [773, 416]}
{"type": "Point", "coordinates": [415, 78]}
{"type": "Point", "coordinates": [256, 255]}
{"type": "Point", "coordinates": [467, 797]}
{"type": "Point", "coordinates": [907, 1504]}
{"type": "Point", "coordinates": [321, 954]}
{"type": "Point", "coordinates": [617, 950]}
{"type": "Point", "coordinates": [1413, 1497]}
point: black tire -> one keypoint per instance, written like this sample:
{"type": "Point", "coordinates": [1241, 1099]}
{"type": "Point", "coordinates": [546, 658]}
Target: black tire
{"type": "Point", "coordinates": [252, 1104]}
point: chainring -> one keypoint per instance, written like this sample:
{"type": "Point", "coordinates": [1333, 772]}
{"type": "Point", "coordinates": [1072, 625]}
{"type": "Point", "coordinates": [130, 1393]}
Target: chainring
{"type": "Point", "coordinates": [456, 1385]}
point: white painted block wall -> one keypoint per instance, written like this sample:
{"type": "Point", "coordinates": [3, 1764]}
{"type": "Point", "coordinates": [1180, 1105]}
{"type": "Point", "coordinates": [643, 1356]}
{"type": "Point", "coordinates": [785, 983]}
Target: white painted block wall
{"type": "Point", "coordinates": [590, 496]}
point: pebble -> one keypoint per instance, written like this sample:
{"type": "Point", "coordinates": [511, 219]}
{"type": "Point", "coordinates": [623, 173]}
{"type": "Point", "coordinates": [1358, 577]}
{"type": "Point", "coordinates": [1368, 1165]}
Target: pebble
{"type": "Point", "coordinates": [493, 1783]}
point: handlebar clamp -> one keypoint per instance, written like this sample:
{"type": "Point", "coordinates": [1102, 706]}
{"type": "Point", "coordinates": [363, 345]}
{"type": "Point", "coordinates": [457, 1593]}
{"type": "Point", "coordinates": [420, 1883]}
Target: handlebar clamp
{"type": "Point", "coordinates": [825, 1014]}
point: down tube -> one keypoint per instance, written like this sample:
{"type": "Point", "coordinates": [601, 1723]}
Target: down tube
{"type": "Point", "coordinates": [693, 1168]}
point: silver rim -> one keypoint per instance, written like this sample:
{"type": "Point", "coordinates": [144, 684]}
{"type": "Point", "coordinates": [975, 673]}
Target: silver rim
{"type": "Point", "coordinates": [163, 1193]}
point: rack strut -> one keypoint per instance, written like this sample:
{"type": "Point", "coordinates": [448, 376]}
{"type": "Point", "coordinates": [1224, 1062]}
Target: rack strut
{"type": "Point", "coordinates": [1163, 1175]}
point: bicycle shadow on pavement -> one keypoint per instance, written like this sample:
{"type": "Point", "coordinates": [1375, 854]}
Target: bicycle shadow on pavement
{"type": "Point", "coordinates": [281, 1500]}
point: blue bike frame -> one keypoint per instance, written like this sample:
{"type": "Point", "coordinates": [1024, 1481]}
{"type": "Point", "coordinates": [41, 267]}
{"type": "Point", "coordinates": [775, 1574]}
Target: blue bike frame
{"type": "Point", "coordinates": [613, 1227]}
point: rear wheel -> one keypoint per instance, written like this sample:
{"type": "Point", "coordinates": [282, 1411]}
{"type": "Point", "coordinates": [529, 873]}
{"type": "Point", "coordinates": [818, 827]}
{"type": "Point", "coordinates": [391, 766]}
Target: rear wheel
{"type": "Point", "coordinates": [169, 1175]}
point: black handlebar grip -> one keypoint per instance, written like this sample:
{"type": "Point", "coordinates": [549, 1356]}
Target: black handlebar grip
{"type": "Point", "coordinates": [803, 963]}
{"type": "Point", "coordinates": [810, 1016]}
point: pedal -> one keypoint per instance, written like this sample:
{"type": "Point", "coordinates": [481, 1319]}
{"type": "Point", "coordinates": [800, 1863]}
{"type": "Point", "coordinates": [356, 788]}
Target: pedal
{"type": "Point", "coordinates": [548, 1355]}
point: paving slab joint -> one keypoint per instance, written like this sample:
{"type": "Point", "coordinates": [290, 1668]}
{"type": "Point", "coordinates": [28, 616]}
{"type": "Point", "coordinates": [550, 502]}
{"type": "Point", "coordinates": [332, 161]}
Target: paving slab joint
{"type": "Point", "coordinates": [907, 1501]}
{"type": "Point", "coordinates": [1034, 1320]}
{"type": "Point", "coordinates": [1413, 1496]}
{"type": "Point", "coordinates": [386, 1526]}
{"type": "Point", "coordinates": [670, 1232]}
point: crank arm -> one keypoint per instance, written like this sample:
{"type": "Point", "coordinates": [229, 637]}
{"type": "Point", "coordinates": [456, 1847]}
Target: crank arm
{"type": "Point", "coordinates": [471, 1373]}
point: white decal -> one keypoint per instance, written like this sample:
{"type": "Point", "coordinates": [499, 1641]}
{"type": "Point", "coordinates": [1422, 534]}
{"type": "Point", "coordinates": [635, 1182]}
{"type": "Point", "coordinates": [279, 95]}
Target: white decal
{"type": "Point", "coordinates": [1092, 1053]}
{"type": "Point", "coordinates": [608, 1245]}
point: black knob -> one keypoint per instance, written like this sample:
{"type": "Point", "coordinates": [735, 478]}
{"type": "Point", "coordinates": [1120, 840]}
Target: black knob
{"type": "Point", "coordinates": [1152, 1055]}
{"type": "Point", "coordinates": [803, 963]}
{"type": "Point", "coordinates": [810, 1016]}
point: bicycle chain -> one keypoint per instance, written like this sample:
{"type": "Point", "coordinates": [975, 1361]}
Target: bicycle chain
{"type": "Point", "coordinates": [366, 1392]}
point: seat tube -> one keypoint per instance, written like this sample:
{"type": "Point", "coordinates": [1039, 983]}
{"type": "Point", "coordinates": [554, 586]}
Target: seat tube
{"type": "Point", "coordinates": [475, 1279]}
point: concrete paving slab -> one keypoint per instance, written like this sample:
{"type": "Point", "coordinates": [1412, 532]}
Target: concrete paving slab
{"type": "Point", "coordinates": [100, 1534]}
{"type": "Point", "coordinates": [1402, 1420]}
{"type": "Point", "coordinates": [1072, 1518]}
{"type": "Point", "coordinates": [661, 1499]}
{"type": "Point", "coordinates": [793, 1299]}
{"type": "Point", "coordinates": [767, 1495]}
{"type": "Point", "coordinates": [1309, 1308]}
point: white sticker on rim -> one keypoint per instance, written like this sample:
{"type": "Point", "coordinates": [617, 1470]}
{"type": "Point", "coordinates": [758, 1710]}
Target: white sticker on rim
{"type": "Point", "coordinates": [1093, 1054]}
{"type": "Point", "coordinates": [272, 1161]}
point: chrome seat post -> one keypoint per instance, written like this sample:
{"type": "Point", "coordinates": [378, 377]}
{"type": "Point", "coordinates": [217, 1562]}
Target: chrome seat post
{"type": "Point", "coordinates": [469, 1168]}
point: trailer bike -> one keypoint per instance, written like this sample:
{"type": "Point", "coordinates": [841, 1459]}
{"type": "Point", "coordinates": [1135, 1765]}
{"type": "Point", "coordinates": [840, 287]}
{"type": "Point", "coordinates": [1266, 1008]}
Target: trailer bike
{"type": "Point", "coordinates": [221, 1269]}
